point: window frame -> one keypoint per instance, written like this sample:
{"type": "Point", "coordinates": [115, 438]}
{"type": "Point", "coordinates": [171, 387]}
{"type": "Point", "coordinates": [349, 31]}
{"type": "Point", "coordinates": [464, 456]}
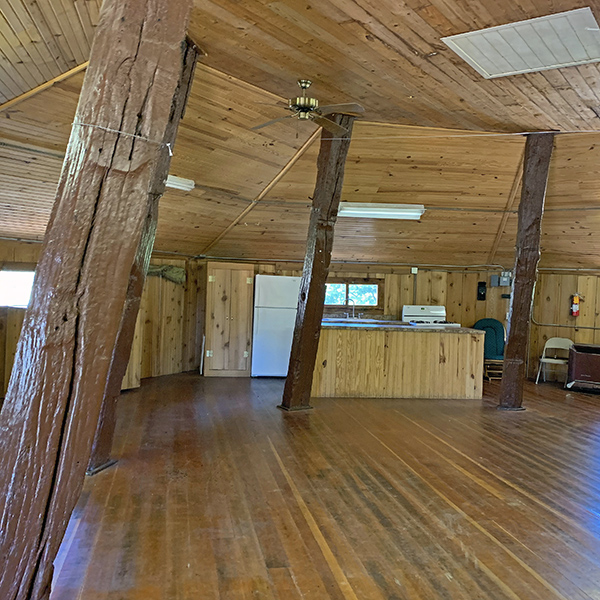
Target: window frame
{"type": "Point", "coordinates": [348, 281]}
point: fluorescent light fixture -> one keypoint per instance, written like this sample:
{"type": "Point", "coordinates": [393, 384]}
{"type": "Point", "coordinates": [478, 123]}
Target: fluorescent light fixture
{"type": "Point", "coordinates": [560, 40]}
{"type": "Point", "coordinates": [372, 210]}
{"type": "Point", "coordinates": [178, 183]}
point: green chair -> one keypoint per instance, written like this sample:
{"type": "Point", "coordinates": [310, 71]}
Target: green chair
{"type": "Point", "coordinates": [493, 348]}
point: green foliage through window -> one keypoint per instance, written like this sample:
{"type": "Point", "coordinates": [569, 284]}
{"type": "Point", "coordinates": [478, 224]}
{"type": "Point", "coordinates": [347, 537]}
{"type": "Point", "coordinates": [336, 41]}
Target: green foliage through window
{"type": "Point", "coordinates": [362, 294]}
{"type": "Point", "coordinates": [347, 294]}
{"type": "Point", "coordinates": [335, 294]}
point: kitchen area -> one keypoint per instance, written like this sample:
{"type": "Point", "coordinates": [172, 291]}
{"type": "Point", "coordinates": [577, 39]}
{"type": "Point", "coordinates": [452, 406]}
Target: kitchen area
{"type": "Point", "coordinates": [420, 356]}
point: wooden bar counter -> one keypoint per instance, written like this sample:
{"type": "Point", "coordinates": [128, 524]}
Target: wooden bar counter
{"type": "Point", "coordinates": [392, 360]}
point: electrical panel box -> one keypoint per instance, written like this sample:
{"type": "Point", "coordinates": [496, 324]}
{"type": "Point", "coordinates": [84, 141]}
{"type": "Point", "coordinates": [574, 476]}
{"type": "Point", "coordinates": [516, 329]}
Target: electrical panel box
{"type": "Point", "coordinates": [502, 280]}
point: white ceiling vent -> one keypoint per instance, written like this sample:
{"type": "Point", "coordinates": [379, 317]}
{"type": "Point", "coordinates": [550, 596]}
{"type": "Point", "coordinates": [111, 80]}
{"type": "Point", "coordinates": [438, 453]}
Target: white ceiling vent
{"type": "Point", "coordinates": [561, 40]}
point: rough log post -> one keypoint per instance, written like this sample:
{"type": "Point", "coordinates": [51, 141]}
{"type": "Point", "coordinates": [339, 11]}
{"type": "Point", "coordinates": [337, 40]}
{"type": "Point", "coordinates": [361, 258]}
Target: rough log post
{"type": "Point", "coordinates": [538, 151]}
{"type": "Point", "coordinates": [100, 227]}
{"type": "Point", "coordinates": [101, 448]}
{"type": "Point", "coordinates": [326, 200]}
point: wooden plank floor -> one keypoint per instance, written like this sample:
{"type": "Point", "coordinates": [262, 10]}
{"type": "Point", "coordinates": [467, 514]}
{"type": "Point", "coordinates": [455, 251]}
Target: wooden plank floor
{"type": "Point", "coordinates": [219, 495]}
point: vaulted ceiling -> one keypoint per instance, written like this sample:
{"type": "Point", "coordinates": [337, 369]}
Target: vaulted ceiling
{"type": "Point", "coordinates": [387, 55]}
{"type": "Point", "coordinates": [413, 145]}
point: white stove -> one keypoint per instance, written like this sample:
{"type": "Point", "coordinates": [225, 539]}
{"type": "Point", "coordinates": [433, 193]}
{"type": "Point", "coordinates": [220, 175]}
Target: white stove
{"type": "Point", "coordinates": [426, 316]}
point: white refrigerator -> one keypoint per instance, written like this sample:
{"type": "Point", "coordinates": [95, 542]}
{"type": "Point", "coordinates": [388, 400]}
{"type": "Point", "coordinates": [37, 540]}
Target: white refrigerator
{"type": "Point", "coordinates": [275, 304]}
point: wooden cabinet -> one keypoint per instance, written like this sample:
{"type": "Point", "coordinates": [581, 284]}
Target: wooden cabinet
{"type": "Point", "coordinates": [398, 362]}
{"type": "Point", "coordinates": [229, 300]}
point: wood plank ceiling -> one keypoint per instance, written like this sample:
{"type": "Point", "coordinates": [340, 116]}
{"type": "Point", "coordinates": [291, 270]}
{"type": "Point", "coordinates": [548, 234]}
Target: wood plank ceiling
{"type": "Point", "coordinates": [385, 54]}
{"type": "Point", "coordinates": [41, 39]}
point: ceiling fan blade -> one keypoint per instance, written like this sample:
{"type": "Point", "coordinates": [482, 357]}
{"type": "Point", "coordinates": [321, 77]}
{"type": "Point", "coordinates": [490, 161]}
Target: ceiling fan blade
{"type": "Point", "coordinates": [272, 121]}
{"type": "Point", "coordinates": [352, 108]}
{"type": "Point", "coordinates": [332, 127]}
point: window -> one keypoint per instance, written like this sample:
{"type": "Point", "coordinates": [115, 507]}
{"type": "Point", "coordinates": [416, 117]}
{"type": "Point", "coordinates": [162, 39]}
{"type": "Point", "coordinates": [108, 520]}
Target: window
{"type": "Point", "coordinates": [363, 294]}
{"type": "Point", "coordinates": [348, 294]}
{"type": "Point", "coordinates": [15, 288]}
{"type": "Point", "coordinates": [335, 294]}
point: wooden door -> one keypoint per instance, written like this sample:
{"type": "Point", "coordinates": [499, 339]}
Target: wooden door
{"type": "Point", "coordinates": [228, 320]}
{"type": "Point", "coordinates": [240, 320]}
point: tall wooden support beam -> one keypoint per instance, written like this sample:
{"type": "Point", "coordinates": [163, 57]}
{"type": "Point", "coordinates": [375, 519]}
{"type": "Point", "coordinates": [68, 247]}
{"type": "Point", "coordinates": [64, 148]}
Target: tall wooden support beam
{"type": "Point", "coordinates": [100, 456]}
{"type": "Point", "coordinates": [102, 445]}
{"type": "Point", "coordinates": [100, 235]}
{"type": "Point", "coordinates": [538, 151]}
{"type": "Point", "coordinates": [311, 298]}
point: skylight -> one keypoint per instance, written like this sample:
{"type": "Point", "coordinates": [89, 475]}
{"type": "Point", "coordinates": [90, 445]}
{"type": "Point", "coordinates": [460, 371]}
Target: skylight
{"type": "Point", "coordinates": [561, 40]}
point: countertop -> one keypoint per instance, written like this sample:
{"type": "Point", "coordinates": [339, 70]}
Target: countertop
{"type": "Point", "coordinates": [390, 326]}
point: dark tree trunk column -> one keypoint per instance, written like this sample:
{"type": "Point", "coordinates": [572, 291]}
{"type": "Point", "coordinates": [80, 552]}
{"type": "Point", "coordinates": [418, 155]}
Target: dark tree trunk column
{"type": "Point", "coordinates": [326, 200]}
{"type": "Point", "coordinates": [538, 151]}
{"type": "Point", "coordinates": [101, 448]}
{"type": "Point", "coordinates": [103, 440]}
{"type": "Point", "coordinates": [102, 224]}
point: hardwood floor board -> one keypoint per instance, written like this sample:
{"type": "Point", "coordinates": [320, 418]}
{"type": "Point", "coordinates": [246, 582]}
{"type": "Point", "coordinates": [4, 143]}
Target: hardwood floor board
{"type": "Point", "coordinates": [474, 504]}
{"type": "Point", "coordinates": [425, 556]}
{"type": "Point", "coordinates": [407, 527]}
{"type": "Point", "coordinates": [79, 546]}
{"type": "Point", "coordinates": [284, 584]}
{"type": "Point", "coordinates": [541, 472]}
{"type": "Point", "coordinates": [315, 549]}
{"type": "Point", "coordinates": [540, 520]}
{"type": "Point", "coordinates": [219, 495]}
{"type": "Point", "coordinates": [247, 572]}
{"type": "Point", "coordinates": [452, 530]}
{"type": "Point", "coordinates": [308, 570]}
{"type": "Point", "coordinates": [361, 518]}
{"type": "Point", "coordinates": [335, 484]}
{"type": "Point", "coordinates": [330, 516]}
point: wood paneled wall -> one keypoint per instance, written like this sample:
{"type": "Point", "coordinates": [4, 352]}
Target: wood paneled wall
{"type": "Point", "coordinates": [456, 290]}
{"type": "Point", "coordinates": [11, 321]}
{"type": "Point", "coordinates": [170, 325]}
{"type": "Point", "coordinates": [168, 336]}
{"type": "Point", "coordinates": [169, 328]}
{"type": "Point", "coordinates": [552, 307]}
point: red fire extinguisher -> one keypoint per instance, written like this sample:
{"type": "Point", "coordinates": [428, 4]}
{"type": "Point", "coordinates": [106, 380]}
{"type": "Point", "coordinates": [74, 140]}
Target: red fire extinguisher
{"type": "Point", "coordinates": [575, 300]}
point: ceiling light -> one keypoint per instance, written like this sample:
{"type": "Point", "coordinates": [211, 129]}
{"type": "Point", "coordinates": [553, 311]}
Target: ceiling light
{"type": "Point", "coordinates": [372, 210]}
{"type": "Point", "coordinates": [178, 183]}
{"type": "Point", "coordinates": [560, 40]}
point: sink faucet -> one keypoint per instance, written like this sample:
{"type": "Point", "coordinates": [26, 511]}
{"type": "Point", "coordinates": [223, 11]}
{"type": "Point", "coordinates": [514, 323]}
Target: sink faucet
{"type": "Point", "coordinates": [353, 307]}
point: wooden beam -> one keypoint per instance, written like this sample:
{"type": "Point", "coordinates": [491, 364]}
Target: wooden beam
{"type": "Point", "coordinates": [512, 196]}
{"type": "Point", "coordinates": [44, 86]}
{"type": "Point", "coordinates": [265, 191]}
{"type": "Point", "coordinates": [311, 298]}
{"type": "Point", "coordinates": [538, 152]}
{"type": "Point", "coordinates": [100, 457]}
{"type": "Point", "coordinates": [101, 227]}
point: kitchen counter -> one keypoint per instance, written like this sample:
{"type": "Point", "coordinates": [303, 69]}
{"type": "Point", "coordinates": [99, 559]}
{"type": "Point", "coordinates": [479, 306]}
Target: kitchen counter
{"type": "Point", "coordinates": [388, 326]}
{"type": "Point", "coordinates": [372, 358]}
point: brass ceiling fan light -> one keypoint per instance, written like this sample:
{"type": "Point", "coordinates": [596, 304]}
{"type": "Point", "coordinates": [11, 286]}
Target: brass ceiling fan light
{"type": "Point", "coordinates": [305, 108]}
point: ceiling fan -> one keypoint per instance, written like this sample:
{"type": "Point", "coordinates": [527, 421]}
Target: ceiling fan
{"type": "Point", "coordinates": [305, 108]}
